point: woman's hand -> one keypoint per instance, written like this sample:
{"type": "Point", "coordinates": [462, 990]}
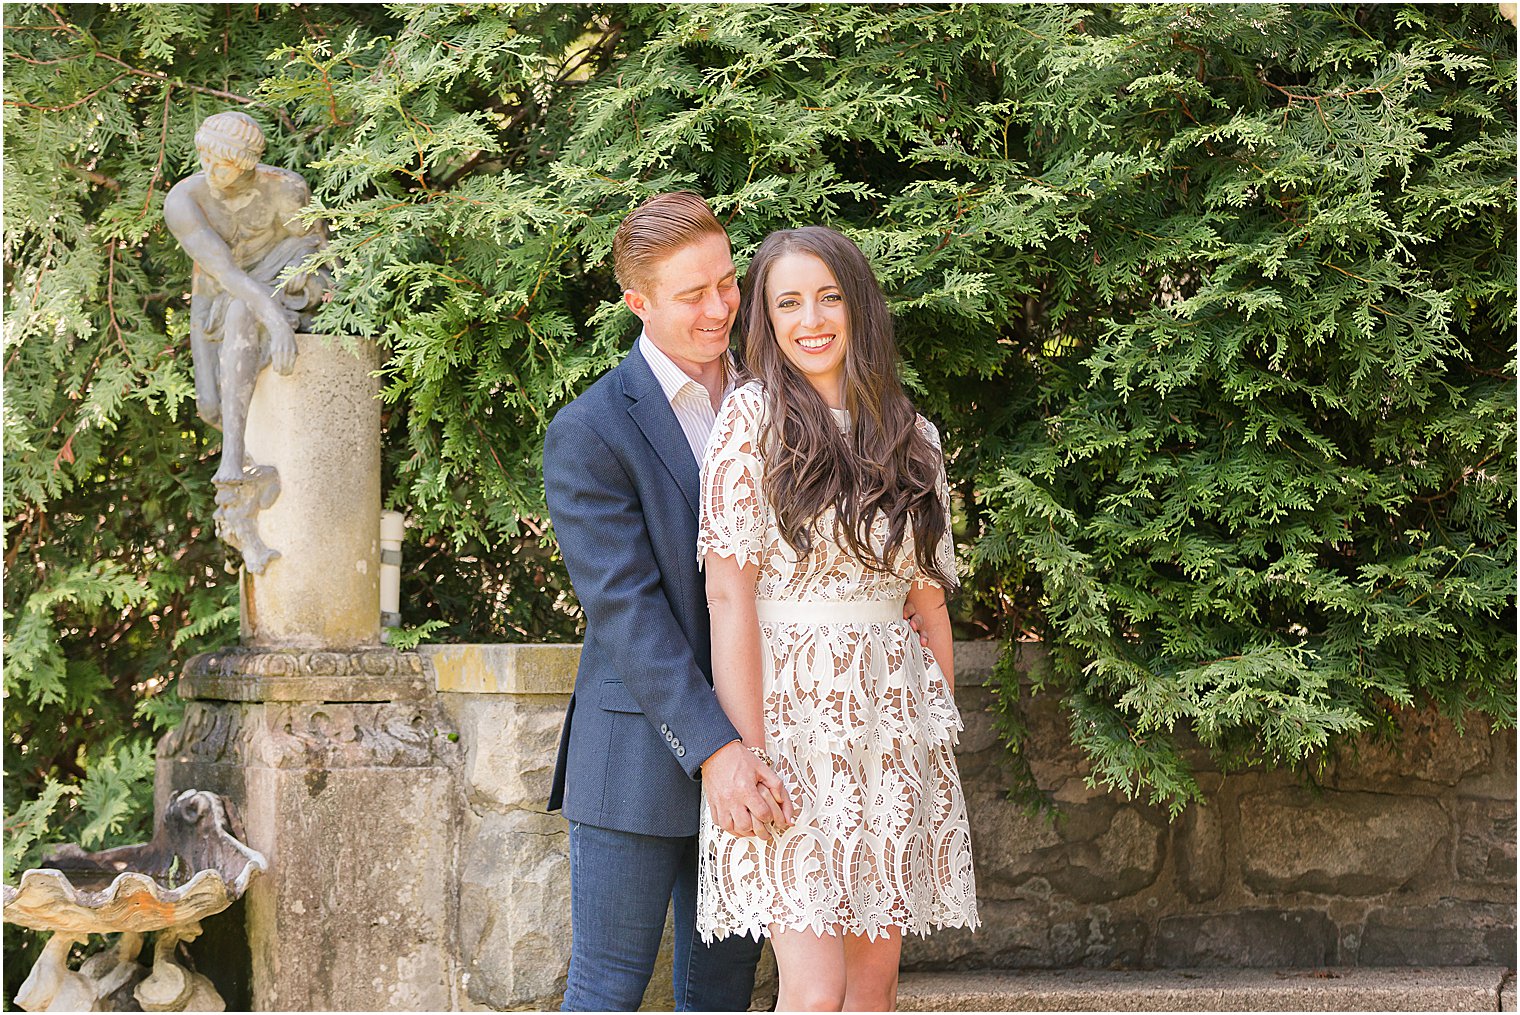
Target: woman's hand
{"type": "Point", "coordinates": [745, 796]}
{"type": "Point", "coordinates": [928, 605]}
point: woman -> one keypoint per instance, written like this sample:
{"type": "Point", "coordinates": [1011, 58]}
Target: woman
{"type": "Point", "coordinates": [824, 506]}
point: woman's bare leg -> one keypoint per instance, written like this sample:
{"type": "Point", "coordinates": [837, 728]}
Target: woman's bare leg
{"type": "Point", "coordinates": [811, 969]}
{"type": "Point", "coordinates": [871, 971]}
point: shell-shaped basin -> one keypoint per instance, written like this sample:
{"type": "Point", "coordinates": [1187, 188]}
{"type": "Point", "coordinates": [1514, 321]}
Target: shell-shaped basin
{"type": "Point", "coordinates": [194, 866]}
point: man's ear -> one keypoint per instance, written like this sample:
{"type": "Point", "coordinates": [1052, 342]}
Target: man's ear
{"type": "Point", "coordinates": [635, 301]}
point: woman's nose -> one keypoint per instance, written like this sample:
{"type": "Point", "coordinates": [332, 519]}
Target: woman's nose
{"type": "Point", "coordinates": [811, 314]}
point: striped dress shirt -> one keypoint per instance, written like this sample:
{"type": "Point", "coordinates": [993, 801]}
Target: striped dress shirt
{"type": "Point", "coordinates": [688, 399]}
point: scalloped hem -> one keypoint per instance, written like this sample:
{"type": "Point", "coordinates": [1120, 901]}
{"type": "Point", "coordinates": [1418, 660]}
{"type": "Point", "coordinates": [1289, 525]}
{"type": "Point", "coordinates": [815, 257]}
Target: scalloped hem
{"type": "Point", "coordinates": [819, 926]}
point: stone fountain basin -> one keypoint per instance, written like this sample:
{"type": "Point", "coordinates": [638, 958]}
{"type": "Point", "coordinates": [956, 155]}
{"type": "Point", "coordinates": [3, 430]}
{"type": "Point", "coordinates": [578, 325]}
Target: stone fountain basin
{"type": "Point", "coordinates": [195, 866]}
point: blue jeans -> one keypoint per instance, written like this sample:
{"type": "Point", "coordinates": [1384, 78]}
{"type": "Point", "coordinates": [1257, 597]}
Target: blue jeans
{"type": "Point", "coordinates": [621, 884]}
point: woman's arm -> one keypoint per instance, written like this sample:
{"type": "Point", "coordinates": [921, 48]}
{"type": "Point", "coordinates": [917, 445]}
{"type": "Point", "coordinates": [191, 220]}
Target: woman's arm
{"type": "Point", "coordinates": [928, 602]}
{"type": "Point", "coordinates": [741, 804]}
{"type": "Point", "coordinates": [736, 645]}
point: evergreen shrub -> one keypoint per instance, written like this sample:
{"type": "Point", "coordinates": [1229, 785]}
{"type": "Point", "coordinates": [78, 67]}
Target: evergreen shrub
{"type": "Point", "coordinates": [1214, 304]}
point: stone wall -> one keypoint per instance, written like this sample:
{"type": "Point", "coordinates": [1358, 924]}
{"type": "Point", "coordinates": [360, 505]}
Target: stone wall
{"type": "Point", "coordinates": [1398, 855]}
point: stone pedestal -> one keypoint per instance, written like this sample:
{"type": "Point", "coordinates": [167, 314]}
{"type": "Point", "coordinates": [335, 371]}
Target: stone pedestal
{"type": "Point", "coordinates": [343, 771]}
{"type": "Point", "coordinates": [319, 427]}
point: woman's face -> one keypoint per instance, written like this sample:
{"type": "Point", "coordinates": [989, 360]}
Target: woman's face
{"type": "Point", "coordinates": [812, 323]}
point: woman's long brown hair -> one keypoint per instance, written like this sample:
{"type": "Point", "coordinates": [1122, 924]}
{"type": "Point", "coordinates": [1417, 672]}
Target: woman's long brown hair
{"type": "Point", "coordinates": [884, 464]}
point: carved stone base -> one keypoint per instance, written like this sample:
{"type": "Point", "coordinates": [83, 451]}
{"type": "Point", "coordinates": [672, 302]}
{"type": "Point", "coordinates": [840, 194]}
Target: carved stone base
{"type": "Point", "coordinates": [268, 674]}
{"type": "Point", "coordinates": [352, 800]}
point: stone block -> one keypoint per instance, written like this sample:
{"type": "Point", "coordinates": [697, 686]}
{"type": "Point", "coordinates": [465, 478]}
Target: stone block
{"type": "Point", "coordinates": [1110, 851]}
{"type": "Point", "coordinates": [514, 911]}
{"type": "Point", "coordinates": [979, 755]}
{"type": "Point", "coordinates": [1248, 937]}
{"type": "Point", "coordinates": [975, 661]}
{"type": "Point", "coordinates": [1486, 842]}
{"type": "Point", "coordinates": [1428, 747]}
{"type": "Point", "coordinates": [510, 743]}
{"type": "Point", "coordinates": [1008, 845]}
{"type": "Point", "coordinates": [1097, 940]}
{"type": "Point", "coordinates": [1496, 780]}
{"type": "Point", "coordinates": [1348, 844]}
{"type": "Point", "coordinates": [1453, 932]}
{"type": "Point", "coordinates": [1014, 933]}
{"type": "Point", "coordinates": [1198, 842]}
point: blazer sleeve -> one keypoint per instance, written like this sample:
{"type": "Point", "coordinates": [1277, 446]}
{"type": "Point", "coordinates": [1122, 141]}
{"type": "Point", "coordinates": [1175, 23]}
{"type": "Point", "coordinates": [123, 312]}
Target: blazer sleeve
{"type": "Point", "coordinates": [604, 539]}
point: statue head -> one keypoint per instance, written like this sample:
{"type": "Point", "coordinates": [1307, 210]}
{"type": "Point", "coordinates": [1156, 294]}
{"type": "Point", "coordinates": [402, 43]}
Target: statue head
{"type": "Point", "coordinates": [230, 145]}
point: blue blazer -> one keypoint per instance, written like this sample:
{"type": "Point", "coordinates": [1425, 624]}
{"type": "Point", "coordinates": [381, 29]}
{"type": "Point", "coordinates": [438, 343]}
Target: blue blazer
{"type": "Point", "coordinates": [623, 493]}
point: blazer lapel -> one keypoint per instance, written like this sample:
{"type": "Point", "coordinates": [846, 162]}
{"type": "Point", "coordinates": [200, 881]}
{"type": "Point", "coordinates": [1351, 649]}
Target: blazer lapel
{"type": "Point", "coordinates": [657, 420]}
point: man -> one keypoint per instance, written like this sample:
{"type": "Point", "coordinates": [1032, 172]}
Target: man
{"type": "Point", "coordinates": [621, 479]}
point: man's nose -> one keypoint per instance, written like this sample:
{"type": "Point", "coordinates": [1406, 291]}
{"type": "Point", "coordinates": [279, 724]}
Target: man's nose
{"type": "Point", "coordinates": [714, 307]}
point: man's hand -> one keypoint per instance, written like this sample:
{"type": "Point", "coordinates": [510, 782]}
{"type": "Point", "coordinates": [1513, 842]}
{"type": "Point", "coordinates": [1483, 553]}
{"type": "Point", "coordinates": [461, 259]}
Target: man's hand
{"type": "Point", "coordinates": [282, 343]}
{"type": "Point", "coordinates": [910, 614]}
{"type": "Point", "coordinates": [745, 796]}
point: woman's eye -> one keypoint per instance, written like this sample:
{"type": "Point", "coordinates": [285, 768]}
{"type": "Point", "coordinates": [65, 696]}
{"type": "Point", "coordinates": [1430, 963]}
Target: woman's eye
{"type": "Point", "coordinates": [832, 298]}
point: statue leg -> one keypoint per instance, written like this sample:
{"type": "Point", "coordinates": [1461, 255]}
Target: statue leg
{"type": "Point", "coordinates": [243, 488]}
{"type": "Point", "coordinates": [206, 356]}
{"type": "Point", "coordinates": [242, 358]}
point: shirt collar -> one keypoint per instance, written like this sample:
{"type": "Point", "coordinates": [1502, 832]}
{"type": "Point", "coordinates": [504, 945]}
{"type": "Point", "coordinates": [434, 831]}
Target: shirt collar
{"type": "Point", "coordinates": [672, 378]}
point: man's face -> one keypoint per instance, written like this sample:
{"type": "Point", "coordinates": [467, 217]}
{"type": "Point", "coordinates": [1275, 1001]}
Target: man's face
{"type": "Point", "coordinates": [693, 302]}
{"type": "Point", "coordinates": [222, 173]}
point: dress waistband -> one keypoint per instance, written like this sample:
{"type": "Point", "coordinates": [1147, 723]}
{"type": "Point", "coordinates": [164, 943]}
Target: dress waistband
{"type": "Point", "coordinates": [826, 611]}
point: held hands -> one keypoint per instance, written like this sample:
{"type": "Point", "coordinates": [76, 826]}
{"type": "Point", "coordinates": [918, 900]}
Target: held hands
{"type": "Point", "coordinates": [744, 794]}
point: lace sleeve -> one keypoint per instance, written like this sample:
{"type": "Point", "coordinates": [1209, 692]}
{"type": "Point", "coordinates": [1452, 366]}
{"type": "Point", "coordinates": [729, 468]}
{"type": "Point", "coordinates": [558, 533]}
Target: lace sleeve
{"type": "Point", "coordinates": [734, 513]}
{"type": "Point", "coordinates": [944, 553]}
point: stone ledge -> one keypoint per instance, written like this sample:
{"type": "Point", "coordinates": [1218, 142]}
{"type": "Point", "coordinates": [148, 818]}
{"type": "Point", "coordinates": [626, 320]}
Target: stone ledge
{"type": "Point", "coordinates": [1447, 988]}
{"type": "Point", "coordinates": [550, 668]}
{"type": "Point", "coordinates": [503, 669]}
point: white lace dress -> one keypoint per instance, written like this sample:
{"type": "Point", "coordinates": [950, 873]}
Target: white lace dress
{"type": "Point", "coordinates": [858, 718]}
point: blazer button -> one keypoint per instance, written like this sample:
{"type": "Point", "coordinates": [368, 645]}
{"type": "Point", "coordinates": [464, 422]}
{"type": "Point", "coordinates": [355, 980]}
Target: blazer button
{"type": "Point", "coordinates": [665, 729]}
{"type": "Point", "coordinates": [680, 752]}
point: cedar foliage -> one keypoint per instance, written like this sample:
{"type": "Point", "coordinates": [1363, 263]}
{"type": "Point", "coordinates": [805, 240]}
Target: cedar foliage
{"type": "Point", "coordinates": [1214, 305]}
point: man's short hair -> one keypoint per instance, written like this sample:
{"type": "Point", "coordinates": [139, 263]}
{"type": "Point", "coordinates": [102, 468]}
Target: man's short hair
{"type": "Point", "coordinates": [658, 227]}
{"type": "Point", "coordinates": [233, 136]}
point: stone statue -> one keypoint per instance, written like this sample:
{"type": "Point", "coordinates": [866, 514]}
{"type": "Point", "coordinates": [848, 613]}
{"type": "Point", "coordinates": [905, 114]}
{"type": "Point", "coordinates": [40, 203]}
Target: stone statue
{"type": "Point", "coordinates": [236, 218]}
